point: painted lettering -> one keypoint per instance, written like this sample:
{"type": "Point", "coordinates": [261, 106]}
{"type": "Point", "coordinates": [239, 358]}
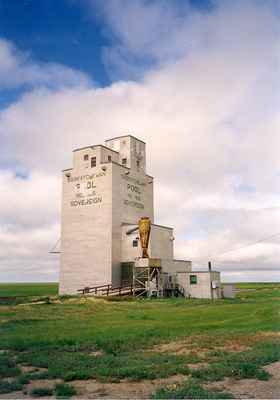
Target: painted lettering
{"type": "Point", "coordinates": [133, 204]}
{"type": "Point", "coordinates": [87, 202]}
{"type": "Point", "coordinates": [133, 188]}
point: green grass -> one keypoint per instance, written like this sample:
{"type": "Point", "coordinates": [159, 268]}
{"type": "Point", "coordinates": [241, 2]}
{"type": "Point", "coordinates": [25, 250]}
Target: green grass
{"type": "Point", "coordinates": [28, 289]}
{"type": "Point", "coordinates": [41, 392]}
{"type": "Point", "coordinates": [257, 285]}
{"type": "Point", "coordinates": [189, 390]}
{"type": "Point", "coordinates": [63, 390]}
{"type": "Point", "coordinates": [80, 338]}
{"type": "Point", "coordinates": [9, 386]}
{"type": "Point", "coordinates": [242, 365]}
{"type": "Point", "coordinates": [126, 326]}
{"type": "Point", "coordinates": [80, 365]}
{"type": "Point", "coordinates": [32, 376]}
{"type": "Point", "coordinates": [8, 366]}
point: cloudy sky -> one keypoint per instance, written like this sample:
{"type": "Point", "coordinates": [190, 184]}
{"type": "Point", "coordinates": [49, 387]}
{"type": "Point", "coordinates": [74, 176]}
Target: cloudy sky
{"type": "Point", "coordinates": [197, 80]}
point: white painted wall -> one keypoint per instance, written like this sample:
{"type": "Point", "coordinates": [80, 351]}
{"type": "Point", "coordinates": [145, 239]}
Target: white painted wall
{"type": "Point", "coordinates": [131, 148]}
{"type": "Point", "coordinates": [95, 203]}
{"type": "Point", "coordinates": [86, 229]}
{"type": "Point", "coordinates": [160, 243]}
{"type": "Point", "coordinates": [201, 290]}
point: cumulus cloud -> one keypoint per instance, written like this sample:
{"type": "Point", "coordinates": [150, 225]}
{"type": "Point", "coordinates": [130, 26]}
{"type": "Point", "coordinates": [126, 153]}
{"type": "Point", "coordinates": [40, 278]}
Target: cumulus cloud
{"type": "Point", "coordinates": [208, 110]}
{"type": "Point", "coordinates": [18, 69]}
{"type": "Point", "coordinates": [29, 226]}
{"type": "Point", "coordinates": [146, 33]}
{"type": "Point", "coordinates": [33, 201]}
{"type": "Point", "coordinates": [24, 253]}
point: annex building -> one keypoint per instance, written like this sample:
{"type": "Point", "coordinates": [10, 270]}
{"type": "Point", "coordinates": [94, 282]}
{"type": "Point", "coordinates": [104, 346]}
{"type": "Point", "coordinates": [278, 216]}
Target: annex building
{"type": "Point", "coordinates": [105, 194]}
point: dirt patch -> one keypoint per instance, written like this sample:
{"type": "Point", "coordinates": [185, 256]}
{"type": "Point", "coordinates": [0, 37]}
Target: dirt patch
{"type": "Point", "coordinates": [198, 365]}
{"type": "Point", "coordinates": [269, 334]}
{"type": "Point", "coordinates": [235, 346]}
{"type": "Point", "coordinates": [250, 340]}
{"type": "Point", "coordinates": [125, 389]}
{"type": "Point", "coordinates": [252, 388]}
{"type": "Point", "coordinates": [91, 389]}
{"type": "Point", "coordinates": [42, 383]}
{"type": "Point", "coordinates": [180, 347]}
{"type": "Point", "coordinates": [122, 390]}
{"type": "Point", "coordinates": [173, 348]}
{"type": "Point", "coordinates": [27, 368]}
{"type": "Point", "coordinates": [188, 346]}
{"type": "Point", "coordinates": [96, 353]}
{"type": "Point", "coordinates": [14, 395]}
{"type": "Point", "coordinates": [195, 345]}
{"type": "Point", "coordinates": [25, 394]}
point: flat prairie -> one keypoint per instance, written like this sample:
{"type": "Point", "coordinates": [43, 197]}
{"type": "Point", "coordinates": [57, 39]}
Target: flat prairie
{"type": "Point", "coordinates": [122, 347]}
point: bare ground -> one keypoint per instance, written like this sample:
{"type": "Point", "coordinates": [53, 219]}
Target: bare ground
{"type": "Point", "coordinates": [125, 389]}
{"type": "Point", "coordinates": [253, 388]}
{"type": "Point", "coordinates": [91, 389]}
{"type": "Point", "coordinates": [187, 346]}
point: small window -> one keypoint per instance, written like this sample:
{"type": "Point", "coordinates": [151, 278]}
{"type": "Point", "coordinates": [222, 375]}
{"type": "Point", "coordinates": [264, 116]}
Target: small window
{"type": "Point", "coordinates": [135, 243]}
{"type": "Point", "coordinates": [109, 158]}
{"type": "Point", "coordinates": [193, 279]}
{"type": "Point", "coordinates": [138, 163]}
{"type": "Point", "coordinates": [124, 161]}
{"type": "Point", "coordinates": [93, 162]}
{"type": "Point", "coordinates": [86, 157]}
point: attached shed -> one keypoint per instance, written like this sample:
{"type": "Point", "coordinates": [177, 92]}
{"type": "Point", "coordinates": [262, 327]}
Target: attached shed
{"type": "Point", "coordinates": [200, 284]}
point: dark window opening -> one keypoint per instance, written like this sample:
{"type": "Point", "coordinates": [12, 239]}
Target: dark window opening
{"type": "Point", "coordinates": [86, 157]}
{"type": "Point", "coordinates": [135, 243]}
{"type": "Point", "coordinates": [124, 161]}
{"type": "Point", "coordinates": [138, 163]}
{"type": "Point", "coordinates": [193, 279]}
{"type": "Point", "coordinates": [93, 162]}
{"type": "Point", "coordinates": [109, 158]}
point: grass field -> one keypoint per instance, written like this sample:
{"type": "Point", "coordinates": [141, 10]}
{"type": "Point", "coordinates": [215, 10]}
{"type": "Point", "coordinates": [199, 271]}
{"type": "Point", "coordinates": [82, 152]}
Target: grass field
{"type": "Point", "coordinates": [74, 339]}
{"type": "Point", "coordinates": [28, 289]}
{"type": "Point", "coordinates": [51, 289]}
{"type": "Point", "coordinates": [257, 285]}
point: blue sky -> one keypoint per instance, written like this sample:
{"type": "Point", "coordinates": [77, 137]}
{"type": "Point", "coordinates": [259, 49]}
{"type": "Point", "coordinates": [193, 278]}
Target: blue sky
{"type": "Point", "coordinates": [58, 31]}
{"type": "Point", "coordinates": [195, 79]}
{"type": "Point", "coordinates": [65, 31]}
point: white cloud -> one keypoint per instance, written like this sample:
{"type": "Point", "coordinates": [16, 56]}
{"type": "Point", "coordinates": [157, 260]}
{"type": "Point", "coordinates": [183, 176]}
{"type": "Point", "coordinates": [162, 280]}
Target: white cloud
{"type": "Point", "coordinates": [163, 32]}
{"type": "Point", "coordinates": [24, 254]}
{"type": "Point", "coordinates": [209, 114]}
{"type": "Point", "coordinates": [18, 69]}
{"type": "Point", "coordinates": [29, 212]}
{"type": "Point", "coordinates": [29, 202]}
{"type": "Point", "coordinates": [146, 33]}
